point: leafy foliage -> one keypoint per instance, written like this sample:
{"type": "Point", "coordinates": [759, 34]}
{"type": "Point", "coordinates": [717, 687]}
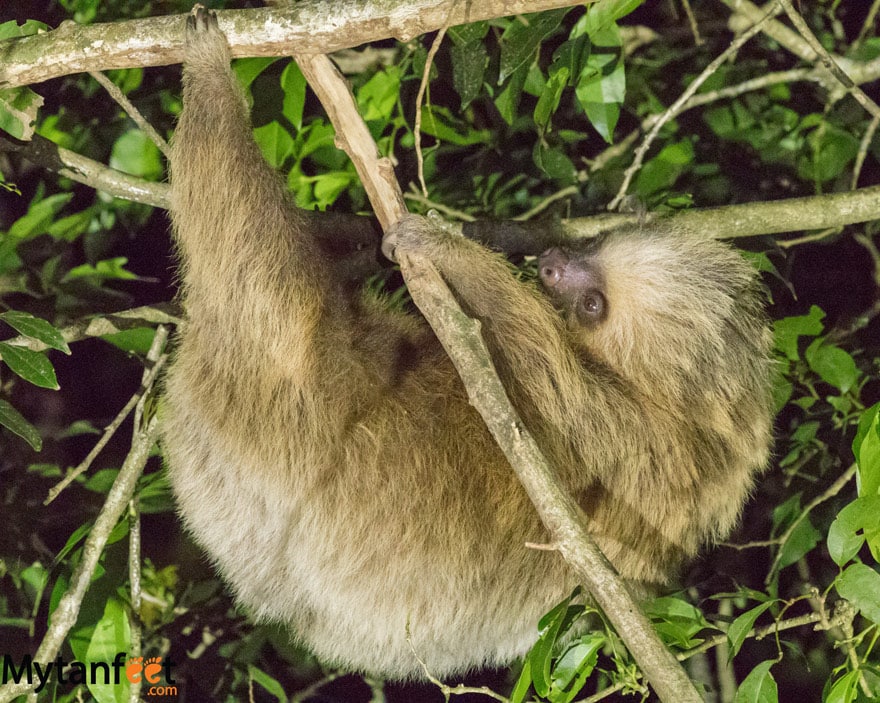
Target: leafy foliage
{"type": "Point", "coordinates": [533, 114]}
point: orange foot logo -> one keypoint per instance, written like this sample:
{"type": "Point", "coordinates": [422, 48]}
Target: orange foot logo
{"type": "Point", "coordinates": [137, 668]}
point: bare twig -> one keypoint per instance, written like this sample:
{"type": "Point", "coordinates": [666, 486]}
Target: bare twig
{"type": "Point", "coordinates": [546, 202]}
{"type": "Point", "coordinates": [149, 377]}
{"type": "Point", "coordinates": [829, 61]}
{"type": "Point", "coordinates": [864, 145]}
{"type": "Point", "coordinates": [423, 87]}
{"type": "Point", "coordinates": [135, 114]}
{"type": "Point", "coordinates": [832, 491]}
{"type": "Point", "coordinates": [682, 99]}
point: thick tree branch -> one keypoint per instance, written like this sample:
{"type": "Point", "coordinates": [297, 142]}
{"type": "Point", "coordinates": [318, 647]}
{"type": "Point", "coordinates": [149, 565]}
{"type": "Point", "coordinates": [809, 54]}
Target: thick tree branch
{"type": "Point", "coordinates": [312, 26]}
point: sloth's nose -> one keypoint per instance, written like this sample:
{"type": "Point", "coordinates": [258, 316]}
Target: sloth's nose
{"type": "Point", "coordinates": [551, 266]}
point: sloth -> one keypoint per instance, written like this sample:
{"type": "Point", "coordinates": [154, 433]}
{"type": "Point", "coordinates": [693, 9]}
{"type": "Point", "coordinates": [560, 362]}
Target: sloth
{"type": "Point", "coordinates": [322, 449]}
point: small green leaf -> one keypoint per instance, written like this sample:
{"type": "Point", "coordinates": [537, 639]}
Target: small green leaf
{"type": "Point", "coordinates": [523, 683]}
{"type": "Point", "coordinates": [14, 421]}
{"type": "Point", "coordinates": [275, 143]}
{"type": "Point", "coordinates": [35, 328]}
{"type": "Point", "coordinates": [860, 585]}
{"type": "Point", "coordinates": [844, 690]}
{"type": "Point", "coordinates": [553, 162]}
{"type": "Point", "coordinates": [467, 33]}
{"type": "Point", "coordinates": [267, 682]}
{"type": "Point", "coordinates": [11, 29]}
{"type": "Point", "coordinates": [833, 364]}
{"type": "Point", "coordinates": [522, 38]}
{"type": "Point", "coordinates": [549, 99]}
{"type": "Point", "coordinates": [293, 83]}
{"type": "Point", "coordinates": [866, 448]}
{"type": "Point", "coordinates": [759, 686]}
{"type": "Point", "coordinates": [246, 70]}
{"type": "Point", "coordinates": [136, 154]}
{"type": "Point", "coordinates": [574, 667]}
{"type": "Point", "coordinates": [107, 269]}
{"type": "Point", "coordinates": [328, 187]}
{"type": "Point", "coordinates": [858, 521]}
{"type": "Point", "coordinates": [740, 628]}
{"type": "Point", "coordinates": [18, 111]}
{"type": "Point", "coordinates": [799, 543]}
{"type": "Point", "coordinates": [789, 329]}
{"type": "Point", "coordinates": [378, 97]}
{"type": "Point", "coordinates": [603, 116]}
{"type": "Point", "coordinates": [112, 634]}
{"type": "Point", "coordinates": [469, 62]}
{"type": "Point", "coordinates": [32, 366]}
{"type": "Point", "coordinates": [541, 654]}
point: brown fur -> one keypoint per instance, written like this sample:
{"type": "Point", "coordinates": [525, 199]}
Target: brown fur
{"type": "Point", "coordinates": [323, 450]}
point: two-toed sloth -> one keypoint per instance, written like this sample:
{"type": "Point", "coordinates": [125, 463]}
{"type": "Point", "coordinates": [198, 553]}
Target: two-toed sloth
{"type": "Point", "coordinates": [322, 448]}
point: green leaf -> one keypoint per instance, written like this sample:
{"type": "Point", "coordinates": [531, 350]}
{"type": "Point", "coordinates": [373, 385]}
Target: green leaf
{"type": "Point", "coordinates": [541, 654]}
{"type": "Point", "coordinates": [866, 448]}
{"type": "Point", "coordinates": [603, 116]}
{"type": "Point", "coordinates": [574, 667]}
{"type": "Point", "coordinates": [275, 143]}
{"type": "Point", "coordinates": [831, 151]}
{"type": "Point", "coordinates": [468, 33]}
{"type": "Point", "coordinates": [107, 269]}
{"type": "Point", "coordinates": [267, 682]}
{"type": "Point", "coordinates": [860, 585]}
{"type": "Point", "coordinates": [18, 111]}
{"type": "Point", "coordinates": [469, 62]}
{"type": "Point", "coordinates": [833, 364]}
{"type": "Point", "coordinates": [39, 217]}
{"type": "Point", "coordinates": [844, 690]}
{"type": "Point", "coordinates": [739, 628]}
{"type": "Point", "coordinates": [549, 100]}
{"type": "Point", "coordinates": [328, 187]}
{"type": "Point", "coordinates": [112, 634]}
{"type": "Point", "coordinates": [799, 543]}
{"type": "Point", "coordinates": [11, 29]}
{"type": "Point", "coordinates": [293, 83]}
{"type": "Point", "coordinates": [442, 123]}
{"type": "Point", "coordinates": [137, 340]}
{"type": "Point", "coordinates": [663, 170]}
{"type": "Point", "coordinates": [136, 154]}
{"type": "Point", "coordinates": [246, 70]}
{"type": "Point", "coordinates": [553, 162]}
{"type": "Point", "coordinates": [603, 79]}
{"type": "Point", "coordinates": [14, 421]}
{"type": "Point", "coordinates": [789, 329]}
{"type": "Point", "coordinates": [378, 97]}
{"type": "Point", "coordinates": [508, 99]}
{"type": "Point", "coordinates": [759, 686]}
{"type": "Point", "coordinates": [35, 328]}
{"type": "Point", "coordinates": [523, 36]}
{"type": "Point", "coordinates": [70, 228]}
{"type": "Point", "coordinates": [32, 366]}
{"type": "Point", "coordinates": [523, 683]}
{"type": "Point", "coordinates": [602, 14]}
{"type": "Point", "coordinates": [858, 521]}
{"type": "Point", "coordinates": [676, 620]}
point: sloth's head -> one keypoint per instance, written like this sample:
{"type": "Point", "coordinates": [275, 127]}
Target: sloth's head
{"type": "Point", "coordinates": [673, 313]}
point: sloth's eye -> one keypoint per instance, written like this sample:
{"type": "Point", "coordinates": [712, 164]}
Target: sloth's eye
{"type": "Point", "coordinates": [592, 307]}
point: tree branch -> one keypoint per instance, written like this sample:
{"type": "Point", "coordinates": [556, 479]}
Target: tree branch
{"type": "Point", "coordinates": [312, 26]}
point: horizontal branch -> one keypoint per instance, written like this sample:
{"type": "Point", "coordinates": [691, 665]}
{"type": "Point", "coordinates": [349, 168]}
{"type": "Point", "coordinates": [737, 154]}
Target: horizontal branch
{"type": "Point", "coordinates": [312, 26]}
